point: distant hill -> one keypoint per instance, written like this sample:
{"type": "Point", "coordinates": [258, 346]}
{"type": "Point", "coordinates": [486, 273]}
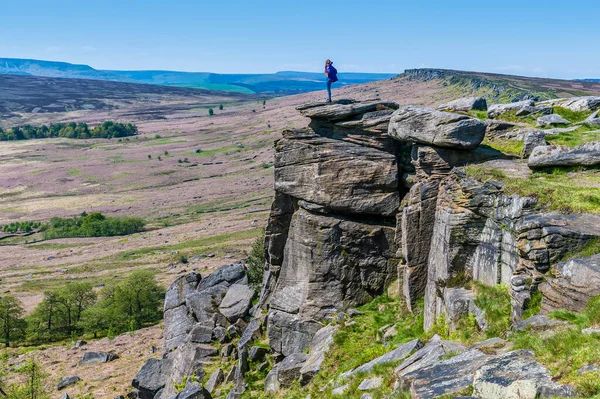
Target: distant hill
{"type": "Point", "coordinates": [280, 83]}
{"type": "Point", "coordinates": [588, 80]}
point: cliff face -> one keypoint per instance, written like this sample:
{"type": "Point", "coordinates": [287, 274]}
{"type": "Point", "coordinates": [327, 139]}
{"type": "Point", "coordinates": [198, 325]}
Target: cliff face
{"type": "Point", "coordinates": [369, 194]}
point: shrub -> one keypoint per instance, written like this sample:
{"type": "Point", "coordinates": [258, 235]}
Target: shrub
{"type": "Point", "coordinates": [221, 107]}
{"type": "Point", "coordinates": [183, 259]}
{"type": "Point", "coordinates": [211, 112]}
{"type": "Point", "coordinates": [256, 262]}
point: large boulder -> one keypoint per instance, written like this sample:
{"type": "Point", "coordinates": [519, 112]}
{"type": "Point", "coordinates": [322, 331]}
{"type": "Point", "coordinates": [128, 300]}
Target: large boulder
{"type": "Point", "coordinates": [178, 323]}
{"type": "Point", "coordinates": [288, 370]}
{"type": "Point", "coordinates": [496, 110]}
{"type": "Point", "coordinates": [552, 120]}
{"type": "Point", "coordinates": [431, 127]}
{"type": "Point", "coordinates": [543, 109]}
{"type": "Point", "coordinates": [578, 104]}
{"type": "Point", "coordinates": [336, 112]}
{"type": "Point", "coordinates": [550, 156]}
{"type": "Point", "coordinates": [428, 355]}
{"type": "Point", "coordinates": [180, 288]}
{"type": "Point", "coordinates": [572, 285]}
{"type": "Point", "coordinates": [193, 390]}
{"type": "Point", "coordinates": [67, 381]}
{"type": "Point", "coordinates": [152, 377]}
{"type": "Point", "coordinates": [516, 375]}
{"type": "Point", "coordinates": [465, 104]}
{"type": "Point", "coordinates": [532, 139]}
{"type": "Point", "coordinates": [236, 302]}
{"type": "Point", "coordinates": [318, 348]}
{"type": "Point", "coordinates": [97, 357]}
{"type": "Point", "coordinates": [340, 176]}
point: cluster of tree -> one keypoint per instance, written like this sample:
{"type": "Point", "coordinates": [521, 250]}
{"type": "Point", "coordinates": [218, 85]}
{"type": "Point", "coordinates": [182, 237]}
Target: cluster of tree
{"type": "Point", "coordinates": [93, 225]}
{"type": "Point", "coordinates": [32, 385]}
{"type": "Point", "coordinates": [20, 227]}
{"type": "Point", "coordinates": [72, 130]}
{"type": "Point", "coordinates": [77, 309]}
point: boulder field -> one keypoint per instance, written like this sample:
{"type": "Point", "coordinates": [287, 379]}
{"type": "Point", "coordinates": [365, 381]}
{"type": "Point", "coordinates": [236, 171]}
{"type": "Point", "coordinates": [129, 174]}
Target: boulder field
{"type": "Point", "coordinates": [368, 196]}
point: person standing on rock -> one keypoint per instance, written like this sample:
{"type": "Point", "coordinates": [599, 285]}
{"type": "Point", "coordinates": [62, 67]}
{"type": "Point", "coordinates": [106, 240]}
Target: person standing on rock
{"type": "Point", "coordinates": [331, 74]}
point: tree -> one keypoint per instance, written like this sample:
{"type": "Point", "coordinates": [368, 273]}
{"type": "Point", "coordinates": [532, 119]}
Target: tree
{"type": "Point", "coordinates": [138, 300]}
{"type": "Point", "coordinates": [11, 323]}
{"type": "Point", "coordinates": [220, 107]}
{"type": "Point", "coordinates": [33, 386]}
{"type": "Point", "coordinates": [256, 262]}
{"type": "Point", "coordinates": [211, 112]}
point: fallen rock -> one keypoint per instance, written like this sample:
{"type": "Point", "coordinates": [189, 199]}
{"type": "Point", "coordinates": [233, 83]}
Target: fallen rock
{"type": "Point", "coordinates": [552, 120]}
{"type": "Point", "coordinates": [236, 302]}
{"type": "Point", "coordinates": [215, 380]}
{"type": "Point", "coordinates": [465, 104]}
{"type": "Point", "coordinates": [288, 370]}
{"type": "Point", "coordinates": [67, 381]}
{"type": "Point", "coordinates": [516, 375]}
{"type": "Point", "coordinates": [152, 377]}
{"type": "Point", "coordinates": [431, 127]}
{"type": "Point", "coordinates": [539, 323]}
{"type": "Point", "coordinates": [573, 284]}
{"type": "Point", "coordinates": [428, 355]}
{"type": "Point", "coordinates": [193, 390]}
{"type": "Point", "coordinates": [578, 104]}
{"type": "Point", "coordinates": [532, 139]}
{"type": "Point", "coordinates": [444, 377]}
{"type": "Point", "coordinates": [272, 381]}
{"type": "Point", "coordinates": [369, 384]}
{"type": "Point", "coordinates": [495, 110]}
{"type": "Point", "coordinates": [97, 357]}
{"type": "Point", "coordinates": [318, 348]}
{"type": "Point", "coordinates": [340, 390]}
{"type": "Point", "coordinates": [397, 355]}
{"type": "Point", "coordinates": [80, 343]}
{"type": "Point", "coordinates": [543, 109]}
{"type": "Point", "coordinates": [549, 156]}
{"type": "Point", "coordinates": [257, 353]}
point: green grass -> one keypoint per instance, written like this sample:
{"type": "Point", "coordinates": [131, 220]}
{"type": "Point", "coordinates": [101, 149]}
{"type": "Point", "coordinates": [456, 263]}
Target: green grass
{"type": "Point", "coordinates": [505, 146]}
{"type": "Point", "coordinates": [582, 135]}
{"type": "Point", "coordinates": [479, 115]}
{"type": "Point", "coordinates": [566, 351]}
{"type": "Point", "coordinates": [215, 151]}
{"type": "Point", "coordinates": [564, 190]}
{"type": "Point", "coordinates": [74, 172]}
{"type": "Point", "coordinates": [511, 116]}
{"type": "Point", "coordinates": [495, 302]}
{"type": "Point", "coordinates": [572, 116]}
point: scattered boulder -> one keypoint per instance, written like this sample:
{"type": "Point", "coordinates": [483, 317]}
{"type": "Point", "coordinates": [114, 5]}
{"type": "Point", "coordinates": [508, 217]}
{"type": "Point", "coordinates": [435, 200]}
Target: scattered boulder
{"type": "Point", "coordinates": [215, 380]}
{"type": "Point", "coordinates": [67, 381]}
{"type": "Point", "coordinates": [444, 377]}
{"type": "Point", "coordinates": [587, 154]}
{"type": "Point", "coordinates": [257, 353]}
{"type": "Point", "coordinates": [428, 355]}
{"type": "Point", "coordinates": [465, 104]}
{"type": "Point", "coordinates": [496, 127]}
{"type": "Point", "coordinates": [578, 104]}
{"type": "Point", "coordinates": [152, 377]}
{"type": "Point", "coordinates": [532, 139]}
{"type": "Point", "coordinates": [496, 110]}
{"type": "Point", "coordinates": [370, 383]}
{"type": "Point", "coordinates": [539, 323]}
{"type": "Point", "coordinates": [516, 375]}
{"type": "Point", "coordinates": [572, 285]}
{"type": "Point", "coordinates": [80, 343]}
{"type": "Point", "coordinates": [543, 109]}
{"type": "Point", "coordinates": [552, 120]}
{"type": "Point", "coordinates": [318, 348]}
{"type": "Point", "coordinates": [193, 390]}
{"type": "Point", "coordinates": [394, 356]}
{"type": "Point", "coordinates": [339, 391]}
{"type": "Point", "coordinates": [442, 129]}
{"type": "Point", "coordinates": [97, 357]}
{"type": "Point", "coordinates": [236, 302]}
{"type": "Point", "coordinates": [288, 370]}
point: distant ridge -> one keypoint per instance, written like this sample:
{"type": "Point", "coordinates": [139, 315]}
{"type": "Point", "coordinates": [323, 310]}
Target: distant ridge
{"type": "Point", "coordinates": [280, 83]}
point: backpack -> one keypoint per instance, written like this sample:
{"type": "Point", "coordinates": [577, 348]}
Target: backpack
{"type": "Point", "coordinates": [332, 74]}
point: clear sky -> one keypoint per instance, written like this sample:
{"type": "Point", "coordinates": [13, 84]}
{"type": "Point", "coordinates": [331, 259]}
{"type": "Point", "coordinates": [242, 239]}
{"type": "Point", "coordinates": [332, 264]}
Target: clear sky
{"type": "Point", "coordinates": [527, 37]}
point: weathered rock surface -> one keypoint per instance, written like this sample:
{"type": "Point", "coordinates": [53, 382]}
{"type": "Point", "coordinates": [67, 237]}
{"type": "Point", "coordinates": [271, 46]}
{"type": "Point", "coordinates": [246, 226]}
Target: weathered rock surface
{"type": "Point", "coordinates": [394, 356]}
{"type": "Point", "coordinates": [152, 377]}
{"type": "Point", "coordinates": [316, 355]}
{"type": "Point", "coordinates": [538, 323]}
{"type": "Point", "coordinates": [496, 110]}
{"type": "Point", "coordinates": [336, 112]}
{"type": "Point", "coordinates": [465, 104]}
{"type": "Point", "coordinates": [97, 357]}
{"type": "Point", "coordinates": [543, 109]}
{"type": "Point", "coordinates": [532, 139]}
{"type": "Point", "coordinates": [572, 285]}
{"type": "Point", "coordinates": [516, 375]}
{"type": "Point", "coordinates": [552, 120]}
{"type": "Point", "coordinates": [428, 355]}
{"type": "Point", "coordinates": [193, 390]}
{"type": "Point", "coordinates": [442, 129]}
{"type": "Point", "coordinates": [340, 176]}
{"type": "Point", "coordinates": [550, 156]}
{"type": "Point", "coordinates": [67, 381]}
{"type": "Point", "coordinates": [215, 379]}
{"type": "Point", "coordinates": [288, 370]}
{"type": "Point", "coordinates": [586, 103]}
{"type": "Point", "coordinates": [369, 384]}
{"type": "Point", "coordinates": [236, 302]}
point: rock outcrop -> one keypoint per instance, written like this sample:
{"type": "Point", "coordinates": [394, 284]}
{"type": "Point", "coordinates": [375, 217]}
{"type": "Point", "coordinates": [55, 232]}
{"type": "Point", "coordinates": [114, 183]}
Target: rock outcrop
{"type": "Point", "coordinates": [465, 104]}
{"type": "Point", "coordinates": [552, 156]}
{"type": "Point", "coordinates": [496, 110]}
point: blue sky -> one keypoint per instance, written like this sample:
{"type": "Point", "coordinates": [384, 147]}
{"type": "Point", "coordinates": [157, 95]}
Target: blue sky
{"type": "Point", "coordinates": [534, 38]}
